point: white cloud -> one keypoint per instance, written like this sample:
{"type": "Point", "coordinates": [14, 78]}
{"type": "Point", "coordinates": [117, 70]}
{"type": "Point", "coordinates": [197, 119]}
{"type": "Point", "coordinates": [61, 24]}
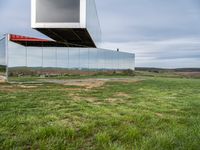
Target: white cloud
{"type": "Point", "coordinates": [165, 53]}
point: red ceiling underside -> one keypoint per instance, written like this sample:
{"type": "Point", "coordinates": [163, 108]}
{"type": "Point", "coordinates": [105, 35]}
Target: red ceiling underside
{"type": "Point", "coordinates": [26, 39]}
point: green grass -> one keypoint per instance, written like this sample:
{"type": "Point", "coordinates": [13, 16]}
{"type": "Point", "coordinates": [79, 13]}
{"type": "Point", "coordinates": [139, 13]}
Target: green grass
{"type": "Point", "coordinates": [157, 113]}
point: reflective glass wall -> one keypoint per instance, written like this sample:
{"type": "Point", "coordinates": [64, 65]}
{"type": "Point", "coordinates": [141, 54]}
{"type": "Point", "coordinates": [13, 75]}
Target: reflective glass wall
{"type": "Point", "coordinates": [3, 51]}
{"type": "Point", "coordinates": [92, 21]}
{"type": "Point", "coordinates": [68, 58]}
{"type": "Point", "coordinates": [2, 58]}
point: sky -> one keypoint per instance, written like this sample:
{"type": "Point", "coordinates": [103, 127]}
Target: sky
{"type": "Point", "coordinates": [162, 33]}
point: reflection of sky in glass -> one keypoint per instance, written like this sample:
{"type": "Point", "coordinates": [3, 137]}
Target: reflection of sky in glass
{"type": "Point", "coordinates": [93, 57]}
{"type": "Point", "coordinates": [84, 62]}
{"type": "Point", "coordinates": [2, 51]}
{"type": "Point", "coordinates": [62, 57]}
{"type": "Point", "coordinates": [59, 11]}
{"type": "Point", "coordinates": [92, 21]}
{"type": "Point", "coordinates": [73, 58]}
{"type": "Point", "coordinates": [102, 62]}
{"type": "Point", "coordinates": [34, 57]}
{"type": "Point", "coordinates": [49, 57]}
{"type": "Point", "coordinates": [16, 55]}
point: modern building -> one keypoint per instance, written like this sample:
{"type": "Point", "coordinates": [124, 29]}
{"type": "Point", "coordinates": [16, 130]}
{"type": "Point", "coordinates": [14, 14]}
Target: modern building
{"type": "Point", "coordinates": [74, 28]}
{"type": "Point", "coordinates": [74, 22]}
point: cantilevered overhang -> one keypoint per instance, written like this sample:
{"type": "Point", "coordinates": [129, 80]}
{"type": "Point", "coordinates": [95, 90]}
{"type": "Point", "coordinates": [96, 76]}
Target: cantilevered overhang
{"type": "Point", "coordinates": [71, 37]}
{"type": "Point", "coordinates": [73, 22]}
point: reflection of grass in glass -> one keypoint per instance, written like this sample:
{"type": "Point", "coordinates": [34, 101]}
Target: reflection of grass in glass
{"type": "Point", "coordinates": [2, 68]}
{"type": "Point", "coordinates": [155, 113]}
{"type": "Point", "coordinates": [33, 73]}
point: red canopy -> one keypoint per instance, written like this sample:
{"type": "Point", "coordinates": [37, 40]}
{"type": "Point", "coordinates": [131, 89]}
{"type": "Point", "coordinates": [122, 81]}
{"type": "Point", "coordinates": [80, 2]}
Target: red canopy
{"type": "Point", "coordinates": [16, 38]}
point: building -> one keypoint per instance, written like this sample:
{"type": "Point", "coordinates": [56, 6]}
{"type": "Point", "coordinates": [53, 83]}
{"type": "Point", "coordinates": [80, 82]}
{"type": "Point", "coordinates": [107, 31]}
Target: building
{"type": "Point", "coordinates": [74, 29]}
{"type": "Point", "coordinates": [74, 22]}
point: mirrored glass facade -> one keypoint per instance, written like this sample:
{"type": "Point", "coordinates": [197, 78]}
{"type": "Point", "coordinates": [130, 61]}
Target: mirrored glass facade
{"type": "Point", "coordinates": [3, 58]}
{"type": "Point", "coordinates": [92, 21]}
{"type": "Point", "coordinates": [68, 58]}
{"type": "Point", "coordinates": [3, 52]}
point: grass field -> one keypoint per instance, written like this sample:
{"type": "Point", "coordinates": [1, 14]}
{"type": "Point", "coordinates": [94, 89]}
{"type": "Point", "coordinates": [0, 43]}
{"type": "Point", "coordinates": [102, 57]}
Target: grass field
{"type": "Point", "coordinates": [139, 113]}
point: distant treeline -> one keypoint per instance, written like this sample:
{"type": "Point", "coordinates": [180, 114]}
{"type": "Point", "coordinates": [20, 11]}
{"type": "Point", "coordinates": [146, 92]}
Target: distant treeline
{"type": "Point", "coordinates": [168, 70]}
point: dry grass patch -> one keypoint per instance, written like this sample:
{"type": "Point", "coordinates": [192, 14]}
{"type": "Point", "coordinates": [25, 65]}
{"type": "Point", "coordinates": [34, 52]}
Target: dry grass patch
{"type": "Point", "coordinates": [78, 98]}
{"type": "Point", "coordinates": [88, 84]}
{"type": "Point", "coordinates": [27, 86]}
{"type": "Point", "coordinates": [8, 88]}
{"type": "Point", "coordinates": [159, 114]}
{"type": "Point", "coordinates": [189, 74]}
{"type": "Point", "coordinates": [2, 79]}
{"type": "Point", "coordinates": [123, 95]}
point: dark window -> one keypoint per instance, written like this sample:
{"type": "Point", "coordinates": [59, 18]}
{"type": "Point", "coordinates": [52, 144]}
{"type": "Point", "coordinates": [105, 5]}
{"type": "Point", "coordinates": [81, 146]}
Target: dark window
{"type": "Point", "coordinates": [57, 11]}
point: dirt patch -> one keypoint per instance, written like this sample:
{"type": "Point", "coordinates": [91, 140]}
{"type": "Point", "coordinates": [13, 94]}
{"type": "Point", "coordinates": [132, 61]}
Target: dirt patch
{"type": "Point", "coordinates": [89, 83]}
{"type": "Point", "coordinates": [27, 86]}
{"type": "Point", "coordinates": [114, 100]}
{"type": "Point", "coordinates": [78, 98]}
{"type": "Point", "coordinates": [2, 79]}
{"type": "Point", "coordinates": [9, 88]}
{"type": "Point", "coordinates": [75, 97]}
{"type": "Point", "coordinates": [121, 94]}
{"type": "Point", "coordinates": [73, 89]}
{"type": "Point", "coordinates": [16, 87]}
{"type": "Point", "coordinates": [83, 83]}
{"type": "Point", "coordinates": [189, 74]}
{"type": "Point", "coordinates": [159, 114]}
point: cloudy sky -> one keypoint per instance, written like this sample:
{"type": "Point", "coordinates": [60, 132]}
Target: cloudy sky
{"type": "Point", "coordinates": [162, 33]}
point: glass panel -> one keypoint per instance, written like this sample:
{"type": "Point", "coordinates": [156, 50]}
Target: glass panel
{"type": "Point", "coordinates": [2, 52]}
{"type": "Point", "coordinates": [126, 61]}
{"type": "Point", "coordinates": [84, 58]}
{"type": "Point", "coordinates": [120, 59]}
{"type": "Point", "coordinates": [16, 55]}
{"type": "Point", "coordinates": [111, 57]}
{"type": "Point", "coordinates": [93, 58]}
{"type": "Point", "coordinates": [101, 59]}
{"type": "Point", "coordinates": [74, 58]}
{"type": "Point", "coordinates": [49, 57]}
{"type": "Point", "coordinates": [2, 58]}
{"type": "Point", "coordinates": [58, 11]}
{"type": "Point", "coordinates": [107, 59]}
{"type": "Point", "coordinates": [115, 60]}
{"type": "Point", "coordinates": [62, 57]}
{"type": "Point", "coordinates": [93, 25]}
{"type": "Point", "coordinates": [34, 57]}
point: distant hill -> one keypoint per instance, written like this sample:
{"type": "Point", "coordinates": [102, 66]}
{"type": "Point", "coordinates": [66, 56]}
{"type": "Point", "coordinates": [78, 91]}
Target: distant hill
{"type": "Point", "coordinates": [167, 70]}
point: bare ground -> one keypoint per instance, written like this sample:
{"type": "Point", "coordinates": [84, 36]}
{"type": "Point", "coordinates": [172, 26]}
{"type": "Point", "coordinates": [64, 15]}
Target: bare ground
{"type": "Point", "coordinates": [189, 74]}
{"type": "Point", "coordinates": [89, 83]}
{"type": "Point", "coordinates": [2, 79]}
